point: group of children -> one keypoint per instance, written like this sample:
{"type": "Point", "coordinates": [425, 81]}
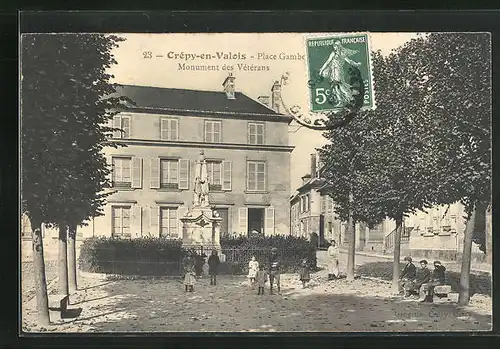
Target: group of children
{"type": "Point", "coordinates": [189, 264]}
{"type": "Point", "coordinates": [256, 272]}
{"type": "Point", "coordinates": [258, 275]}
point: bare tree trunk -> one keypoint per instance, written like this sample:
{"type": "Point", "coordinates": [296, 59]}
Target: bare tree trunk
{"type": "Point", "coordinates": [351, 232]}
{"type": "Point", "coordinates": [463, 292]}
{"type": "Point", "coordinates": [72, 259]}
{"type": "Point", "coordinates": [488, 232]}
{"type": "Point", "coordinates": [63, 260]}
{"type": "Point", "coordinates": [397, 254]}
{"type": "Point", "coordinates": [42, 300]}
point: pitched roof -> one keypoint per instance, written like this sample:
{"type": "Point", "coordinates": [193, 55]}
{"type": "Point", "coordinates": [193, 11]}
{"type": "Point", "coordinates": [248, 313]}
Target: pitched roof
{"type": "Point", "coordinates": [192, 100]}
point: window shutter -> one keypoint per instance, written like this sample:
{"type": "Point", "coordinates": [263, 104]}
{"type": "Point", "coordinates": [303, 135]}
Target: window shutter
{"type": "Point", "coordinates": [117, 124]}
{"type": "Point", "coordinates": [251, 133]}
{"type": "Point", "coordinates": [137, 221]}
{"type": "Point", "coordinates": [243, 220]}
{"type": "Point", "coordinates": [136, 172]}
{"type": "Point", "coordinates": [108, 213]}
{"type": "Point", "coordinates": [184, 174]}
{"type": "Point", "coordinates": [109, 161]}
{"type": "Point", "coordinates": [217, 136]}
{"type": "Point", "coordinates": [154, 173]}
{"type": "Point", "coordinates": [208, 131]}
{"type": "Point", "coordinates": [173, 130]}
{"type": "Point", "coordinates": [127, 126]}
{"type": "Point", "coordinates": [154, 220]}
{"type": "Point", "coordinates": [226, 175]}
{"type": "Point", "coordinates": [259, 134]}
{"type": "Point", "coordinates": [269, 221]}
{"type": "Point", "coordinates": [164, 123]}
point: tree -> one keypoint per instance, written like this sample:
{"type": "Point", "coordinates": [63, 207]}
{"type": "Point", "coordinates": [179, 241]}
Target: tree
{"type": "Point", "coordinates": [67, 103]}
{"type": "Point", "coordinates": [453, 72]}
{"type": "Point", "coordinates": [398, 183]}
{"type": "Point", "coordinates": [345, 172]}
{"type": "Point", "coordinates": [92, 106]}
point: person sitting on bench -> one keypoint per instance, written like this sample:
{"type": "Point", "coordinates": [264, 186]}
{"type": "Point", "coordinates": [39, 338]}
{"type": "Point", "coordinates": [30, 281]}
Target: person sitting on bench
{"type": "Point", "coordinates": [423, 277]}
{"type": "Point", "coordinates": [408, 274]}
{"type": "Point", "coordinates": [437, 279]}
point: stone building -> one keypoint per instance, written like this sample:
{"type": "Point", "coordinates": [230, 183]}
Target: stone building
{"type": "Point", "coordinates": [436, 233]}
{"type": "Point", "coordinates": [244, 141]}
{"type": "Point", "coordinates": [312, 212]}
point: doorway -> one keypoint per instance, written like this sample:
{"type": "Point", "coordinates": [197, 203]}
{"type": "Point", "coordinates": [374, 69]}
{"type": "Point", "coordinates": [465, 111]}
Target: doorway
{"type": "Point", "coordinates": [255, 221]}
{"type": "Point", "coordinates": [224, 224]}
{"type": "Point", "coordinates": [321, 241]}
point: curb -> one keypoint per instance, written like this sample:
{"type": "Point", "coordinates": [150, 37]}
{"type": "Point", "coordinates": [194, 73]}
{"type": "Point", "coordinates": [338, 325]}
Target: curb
{"type": "Point", "coordinates": [391, 257]}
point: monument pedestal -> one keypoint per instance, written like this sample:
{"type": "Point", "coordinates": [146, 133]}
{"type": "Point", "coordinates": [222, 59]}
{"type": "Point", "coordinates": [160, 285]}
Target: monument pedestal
{"type": "Point", "coordinates": [201, 227]}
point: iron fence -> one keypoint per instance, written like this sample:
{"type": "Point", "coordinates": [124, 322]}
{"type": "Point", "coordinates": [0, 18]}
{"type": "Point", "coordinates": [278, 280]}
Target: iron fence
{"type": "Point", "coordinates": [234, 260]}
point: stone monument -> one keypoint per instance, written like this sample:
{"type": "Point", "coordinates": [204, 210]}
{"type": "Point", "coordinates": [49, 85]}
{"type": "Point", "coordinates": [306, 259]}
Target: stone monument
{"type": "Point", "coordinates": [201, 224]}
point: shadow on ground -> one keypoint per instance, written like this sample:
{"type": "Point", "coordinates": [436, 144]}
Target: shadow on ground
{"type": "Point", "coordinates": [162, 305]}
{"type": "Point", "coordinates": [480, 283]}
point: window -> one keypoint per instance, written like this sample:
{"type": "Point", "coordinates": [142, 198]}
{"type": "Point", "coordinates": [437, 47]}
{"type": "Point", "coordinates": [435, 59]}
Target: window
{"type": "Point", "coordinates": [121, 221]}
{"type": "Point", "coordinates": [169, 129]}
{"type": "Point", "coordinates": [305, 203]}
{"type": "Point", "coordinates": [256, 176]}
{"type": "Point", "coordinates": [255, 133]}
{"type": "Point", "coordinates": [329, 202]}
{"type": "Point", "coordinates": [169, 177]}
{"type": "Point", "coordinates": [213, 131]}
{"type": "Point", "coordinates": [122, 173]}
{"type": "Point", "coordinates": [123, 123]}
{"type": "Point", "coordinates": [169, 223]}
{"type": "Point", "coordinates": [214, 169]}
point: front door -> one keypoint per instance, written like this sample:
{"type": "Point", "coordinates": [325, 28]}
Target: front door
{"type": "Point", "coordinates": [256, 221]}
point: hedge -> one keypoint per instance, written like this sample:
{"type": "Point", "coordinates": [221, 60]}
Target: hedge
{"type": "Point", "coordinates": [159, 256]}
{"type": "Point", "coordinates": [140, 256]}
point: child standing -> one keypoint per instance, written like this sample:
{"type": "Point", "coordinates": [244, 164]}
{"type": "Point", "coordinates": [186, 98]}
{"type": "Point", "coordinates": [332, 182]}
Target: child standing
{"type": "Point", "coordinates": [189, 274]}
{"type": "Point", "coordinates": [261, 278]}
{"type": "Point", "coordinates": [274, 269]}
{"type": "Point", "coordinates": [213, 266]}
{"type": "Point", "coordinates": [253, 267]}
{"type": "Point", "coordinates": [304, 275]}
{"type": "Point", "coordinates": [205, 268]}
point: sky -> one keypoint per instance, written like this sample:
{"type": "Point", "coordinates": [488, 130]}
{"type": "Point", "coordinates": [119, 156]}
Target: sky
{"type": "Point", "coordinates": [133, 67]}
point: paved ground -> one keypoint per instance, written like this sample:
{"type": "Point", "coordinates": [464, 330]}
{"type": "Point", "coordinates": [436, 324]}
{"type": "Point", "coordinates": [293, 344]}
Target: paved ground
{"type": "Point", "coordinates": [128, 305]}
{"type": "Point", "coordinates": [28, 278]}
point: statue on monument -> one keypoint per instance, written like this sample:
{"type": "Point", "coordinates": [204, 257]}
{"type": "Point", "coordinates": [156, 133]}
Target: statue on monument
{"type": "Point", "coordinates": [201, 182]}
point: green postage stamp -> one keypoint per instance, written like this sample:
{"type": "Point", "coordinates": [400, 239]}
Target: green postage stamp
{"type": "Point", "coordinates": [340, 72]}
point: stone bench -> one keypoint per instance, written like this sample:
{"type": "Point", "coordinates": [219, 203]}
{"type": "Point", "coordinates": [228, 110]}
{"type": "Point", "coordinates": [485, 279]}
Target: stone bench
{"type": "Point", "coordinates": [442, 291]}
{"type": "Point", "coordinates": [58, 306]}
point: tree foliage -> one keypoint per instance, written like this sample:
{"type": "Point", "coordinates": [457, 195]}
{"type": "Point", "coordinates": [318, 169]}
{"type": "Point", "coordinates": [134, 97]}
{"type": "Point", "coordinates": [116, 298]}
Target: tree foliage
{"type": "Point", "coordinates": [453, 74]}
{"type": "Point", "coordinates": [428, 141]}
{"type": "Point", "coordinates": [67, 104]}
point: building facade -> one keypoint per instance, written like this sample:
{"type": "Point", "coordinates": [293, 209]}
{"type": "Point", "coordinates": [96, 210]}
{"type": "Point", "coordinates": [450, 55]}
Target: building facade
{"type": "Point", "coordinates": [312, 212]}
{"type": "Point", "coordinates": [438, 231]}
{"type": "Point", "coordinates": [244, 141]}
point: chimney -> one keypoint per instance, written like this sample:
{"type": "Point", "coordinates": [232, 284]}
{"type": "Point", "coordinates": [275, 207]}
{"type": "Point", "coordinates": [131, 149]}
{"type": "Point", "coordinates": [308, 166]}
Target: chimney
{"type": "Point", "coordinates": [276, 96]}
{"type": "Point", "coordinates": [228, 85]}
{"type": "Point", "coordinates": [313, 166]}
{"type": "Point", "coordinates": [306, 178]}
{"type": "Point", "coordinates": [264, 100]}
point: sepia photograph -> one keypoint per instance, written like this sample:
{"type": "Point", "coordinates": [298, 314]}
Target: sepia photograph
{"type": "Point", "coordinates": [255, 182]}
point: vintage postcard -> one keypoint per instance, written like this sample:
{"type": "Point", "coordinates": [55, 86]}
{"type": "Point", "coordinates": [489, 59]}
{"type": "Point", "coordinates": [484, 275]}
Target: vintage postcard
{"type": "Point", "coordinates": [256, 182]}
